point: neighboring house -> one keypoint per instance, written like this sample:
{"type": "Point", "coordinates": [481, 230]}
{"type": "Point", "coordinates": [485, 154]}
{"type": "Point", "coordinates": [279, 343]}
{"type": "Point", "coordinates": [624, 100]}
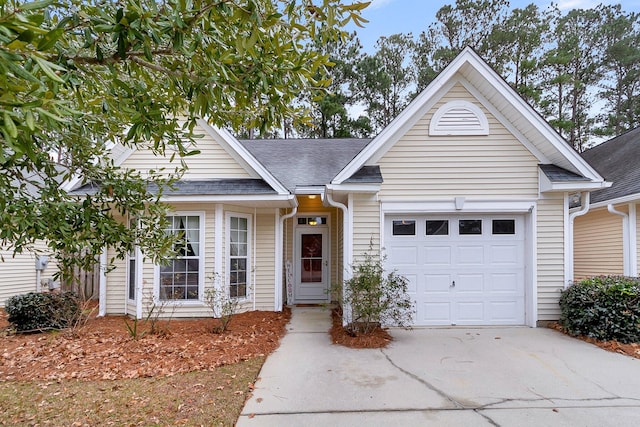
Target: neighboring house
{"type": "Point", "coordinates": [466, 192]}
{"type": "Point", "coordinates": [606, 237]}
{"type": "Point", "coordinates": [18, 273]}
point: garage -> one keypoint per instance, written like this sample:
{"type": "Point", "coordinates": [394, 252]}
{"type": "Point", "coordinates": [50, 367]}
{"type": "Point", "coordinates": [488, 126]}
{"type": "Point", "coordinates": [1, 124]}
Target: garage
{"type": "Point", "coordinates": [462, 269]}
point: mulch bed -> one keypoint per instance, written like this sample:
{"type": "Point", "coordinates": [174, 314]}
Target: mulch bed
{"type": "Point", "coordinates": [104, 349]}
{"type": "Point", "coordinates": [379, 338]}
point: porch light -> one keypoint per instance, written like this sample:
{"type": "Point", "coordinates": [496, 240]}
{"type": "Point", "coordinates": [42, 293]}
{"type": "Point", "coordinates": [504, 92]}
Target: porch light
{"type": "Point", "coordinates": [312, 196]}
{"type": "Point", "coordinates": [313, 221]}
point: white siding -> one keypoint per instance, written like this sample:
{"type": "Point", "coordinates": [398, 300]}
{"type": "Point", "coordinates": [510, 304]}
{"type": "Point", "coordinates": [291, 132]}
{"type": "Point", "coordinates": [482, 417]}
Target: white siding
{"type": "Point", "coordinates": [366, 225]}
{"type": "Point", "coordinates": [265, 260]}
{"type": "Point", "coordinates": [420, 166]}
{"type": "Point", "coordinates": [550, 227]}
{"type": "Point", "coordinates": [598, 247]}
{"type": "Point", "coordinates": [18, 274]}
{"type": "Point", "coordinates": [212, 162]}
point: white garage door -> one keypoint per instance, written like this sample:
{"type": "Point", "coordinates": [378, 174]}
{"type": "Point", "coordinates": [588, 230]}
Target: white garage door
{"type": "Point", "coordinates": [462, 270]}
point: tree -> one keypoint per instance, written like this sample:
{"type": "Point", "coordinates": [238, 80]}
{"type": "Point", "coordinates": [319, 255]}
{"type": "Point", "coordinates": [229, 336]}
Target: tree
{"type": "Point", "coordinates": [621, 89]}
{"type": "Point", "coordinates": [385, 79]}
{"type": "Point", "coordinates": [77, 76]}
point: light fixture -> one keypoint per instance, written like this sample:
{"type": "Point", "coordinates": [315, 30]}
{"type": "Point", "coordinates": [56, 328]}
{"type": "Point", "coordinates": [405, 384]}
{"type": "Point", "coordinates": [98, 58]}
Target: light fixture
{"type": "Point", "coordinates": [312, 196]}
{"type": "Point", "coordinates": [313, 221]}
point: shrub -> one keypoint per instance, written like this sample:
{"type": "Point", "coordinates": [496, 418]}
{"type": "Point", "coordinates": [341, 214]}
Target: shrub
{"type": "Point", "coordinates": [604, 308]}
{"type": "Point", "coordinates": [223, 307]}
{"type": "Point", "coordinates": [42, 311]}
{"type": "Point", "coordinates": [372, 298]}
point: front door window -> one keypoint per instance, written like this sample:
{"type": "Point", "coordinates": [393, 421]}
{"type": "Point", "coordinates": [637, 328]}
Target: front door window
{"type": "Point", "coordinates": [311, 259]}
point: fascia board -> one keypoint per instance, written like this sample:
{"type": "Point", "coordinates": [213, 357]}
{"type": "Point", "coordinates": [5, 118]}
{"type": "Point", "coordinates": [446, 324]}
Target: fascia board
{"type": "Point", "coordinates": [619, 200]}
{"type": "Point", "coordinates": [354, 188]}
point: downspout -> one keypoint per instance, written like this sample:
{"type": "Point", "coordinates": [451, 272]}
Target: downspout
{"type": "Point", "coordinates": [586, 199]}
{"type": "Point", "coordinates": [626, 248]}
{"type": "Point", "coordinates": [280, 257]}
{"type": "Point", "coordinates": [633, 240]}
{"type": "Point", "coordinates": [346, 238]}
{"type": "Point", "coordinates": [102, 303]}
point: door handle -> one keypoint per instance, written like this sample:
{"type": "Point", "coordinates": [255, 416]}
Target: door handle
{"type": "Point", "coordinates": [453, 284]}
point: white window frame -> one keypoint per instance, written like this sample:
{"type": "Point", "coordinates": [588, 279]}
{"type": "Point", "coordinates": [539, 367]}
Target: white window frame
{"type": "Point", "coordinates": [201, 266]}
{"type": "Point", "coordinates": [249, 265]}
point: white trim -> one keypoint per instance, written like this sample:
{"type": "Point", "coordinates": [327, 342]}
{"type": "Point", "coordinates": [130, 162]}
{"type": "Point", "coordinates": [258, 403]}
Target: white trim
{"type": "Point", "coordinates": [279, 285]}
{"type": "Point", "coordinates": [301, 190]}
{"type": "Point", "coordinates": [229, 198]}
{"type": "Point", "coordinates": [201, 264]}
{"type": "Point", "coordinates": [325, 229]}
{"type": "Point", "coordinates": [626, 250]}
{"type": "Point", "coordinates": [139, 282]}
{"type": "Point", "coordinates": [354, 188]}
{"type": "Point", "coordinates": [470, 205]}
{"type": "Point", "coordinates": [249, 256]}
{"type": "Point", "coordinates": [633, 240]}
{"type": "Point", "coordinates": [546, 185]}
{"type": "Point", "coordinates": [102, 303]}
{"type": "Point", "coordinates": [531, 268]}
{"type": "Point", "coordinates": [218, 247]}
{"type": "Point", "coordinates": [624, 199]}
{"type": "Point", "coordinates": [437, 127]}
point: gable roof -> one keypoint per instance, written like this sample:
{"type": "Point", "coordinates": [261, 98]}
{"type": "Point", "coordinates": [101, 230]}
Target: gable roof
{"type": "Point", "coordinates": [618, 160]}
{"type": "Point", "coordinates": [468, 69]}
{"type": "Point", "coordinates": [299, 163]}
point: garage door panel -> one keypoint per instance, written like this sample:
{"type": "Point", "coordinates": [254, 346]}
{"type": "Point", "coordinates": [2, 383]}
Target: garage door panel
{"type": "Point", "coordinates": [469, 283]}
{"type": "Point", "coordinates": [507, 255]}
{"type": "Point", "coordinates": [434, 313]}
{"type": "Point", "coordinates": [437, 284]}
{"type": "Point", "coordinates": [470, 255]}
{"type": "Point", "coordinates": [403, 256]}
{"type": "Point", "coordinates": [470, 312]}
{"type": "Point", "coordinates": [412, 283]}
{"type": "Point", "coordinates": [505, 283]}
{"type": "Point", "coordinates": [439, 256]}
{"type": "Point", "coordinates": [506, 312]}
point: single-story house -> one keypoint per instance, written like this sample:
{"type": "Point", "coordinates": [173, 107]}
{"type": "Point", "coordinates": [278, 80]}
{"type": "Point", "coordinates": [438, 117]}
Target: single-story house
{"type": "Point", "coordinates": [25, 272]}
{"type": "Point", "coordinates": [606, 235]}
{"type": "Point", "coordinates": [466, 192]}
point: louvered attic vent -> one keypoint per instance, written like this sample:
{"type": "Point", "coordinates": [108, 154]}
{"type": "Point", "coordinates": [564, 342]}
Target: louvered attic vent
{"type": "Point", "coordinates": [459, 118]}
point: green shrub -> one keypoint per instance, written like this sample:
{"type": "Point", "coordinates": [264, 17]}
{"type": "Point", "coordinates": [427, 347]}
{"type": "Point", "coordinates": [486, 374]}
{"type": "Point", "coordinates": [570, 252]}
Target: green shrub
{"type": "Point", "coordinates": [372, 298]}
{"type": "Point", "coordinates": [604, 308]}
{"type": "Point", "coordinates": [42, 311]}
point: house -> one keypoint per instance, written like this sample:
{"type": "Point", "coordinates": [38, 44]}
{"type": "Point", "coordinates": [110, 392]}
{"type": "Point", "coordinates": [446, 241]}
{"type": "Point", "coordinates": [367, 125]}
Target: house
{"type": "Point", "coordinates": [25, 272]}
{"type": "Point", "coordinates": [606, 235]}
{"type": "Point", "coordinates": [466, 192]}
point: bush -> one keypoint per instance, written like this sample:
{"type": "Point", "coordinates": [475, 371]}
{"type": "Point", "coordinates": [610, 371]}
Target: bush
{"type": "Point", "coordinates": [42, 311]}
{"type": "Point", "coordinates": [372, 298]}
{"type": "Point", "coordinates": [604, 308]}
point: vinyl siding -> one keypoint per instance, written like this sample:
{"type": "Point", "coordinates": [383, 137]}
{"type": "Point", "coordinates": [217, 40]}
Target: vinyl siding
{"type": "Point", "coordinates": [550, 236]}
{"type": "Point", "coordinates": [366, 225]}
{"type": "Point", "coordinates": [212, 159]}
{"type": "Point", "coordinates": [638, 236]}
{"type": "Point", "coordinates": [265, 260]}
{"type": "Point", "coordinates": [18, 273]}
{"type": "Point", "coordinates": [420, 166]}
{"type": "Point", "coordinates": [598, 244]}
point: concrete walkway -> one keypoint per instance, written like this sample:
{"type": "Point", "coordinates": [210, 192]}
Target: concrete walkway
{"type": "Point", "coordinates": [443, 377]}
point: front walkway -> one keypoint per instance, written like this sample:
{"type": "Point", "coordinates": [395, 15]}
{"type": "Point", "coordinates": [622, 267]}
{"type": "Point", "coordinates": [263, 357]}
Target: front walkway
{"type": "Point", "coordinates": [447, 376]}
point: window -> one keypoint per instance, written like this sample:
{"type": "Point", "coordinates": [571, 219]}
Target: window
{"type": "Point", "coordinates": [439, 227]}
{"type": "Point", "coordinates": [470, 226]}
{"type": "Point", "coordinates": [404, 227]}
{"type": "Point", "coordinates": [180, 278]}
{"type": "Point", "coordinates": [131, 264]}
{"type": "Point", "coordinates": [504, 226]}
{"type": "Point", "coordinates": [238, 251]}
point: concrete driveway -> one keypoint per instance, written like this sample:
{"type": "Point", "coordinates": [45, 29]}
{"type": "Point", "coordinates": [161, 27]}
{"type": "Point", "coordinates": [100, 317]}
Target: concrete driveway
{"type": "Point", "coordinates": [443, 377]}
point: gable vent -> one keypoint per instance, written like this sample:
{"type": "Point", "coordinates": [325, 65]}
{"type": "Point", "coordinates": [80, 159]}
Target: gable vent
{"type": "Point", "coordinates": [459, 118]}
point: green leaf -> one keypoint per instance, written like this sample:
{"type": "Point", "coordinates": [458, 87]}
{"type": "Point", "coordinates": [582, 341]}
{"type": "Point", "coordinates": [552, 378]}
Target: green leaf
{"type": "Point", "coordinates": [47, 68]}
{"type": "Point", "coordinates": [36, 5]}
{"type": "Point", "coordinates": [50, 39]}
{"type": "Point", "coordinates": [9, 125]}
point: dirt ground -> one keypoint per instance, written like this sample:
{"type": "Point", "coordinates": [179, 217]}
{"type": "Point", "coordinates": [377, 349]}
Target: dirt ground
{"type": "Point", "coordinates": [103, 349]}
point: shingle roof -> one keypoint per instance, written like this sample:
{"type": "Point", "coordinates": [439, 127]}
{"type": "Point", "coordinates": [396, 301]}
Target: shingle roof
{"type": "Point", "coordinates": [558, 174]}
{"type": "Point", "coordinates": [618, 160]}
{"type": "Point", "coordinates": [366, 174]}
{"type": "Point", "coordinates": [211, 187]}
{"type": "Point", "coordinates": [305, 162]}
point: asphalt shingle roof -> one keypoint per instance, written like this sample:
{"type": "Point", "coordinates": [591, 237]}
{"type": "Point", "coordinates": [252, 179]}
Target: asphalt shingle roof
{"type": "Point", "coordinates": [558, 174]}
{"type": "Point", "coordinates": [305, 162]}
{"type": "Point", "coordinates": [200, 187]}
{"type": "Point", "coordinates": [618, 161]}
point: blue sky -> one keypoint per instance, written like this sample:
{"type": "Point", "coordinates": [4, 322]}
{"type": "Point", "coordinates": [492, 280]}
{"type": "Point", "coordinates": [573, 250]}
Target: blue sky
{"type": "Point", "coordinates": [388, 17]}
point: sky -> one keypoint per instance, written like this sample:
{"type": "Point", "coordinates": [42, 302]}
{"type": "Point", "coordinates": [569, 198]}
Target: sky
{"type": "Point", "coordinates": [387, 17]}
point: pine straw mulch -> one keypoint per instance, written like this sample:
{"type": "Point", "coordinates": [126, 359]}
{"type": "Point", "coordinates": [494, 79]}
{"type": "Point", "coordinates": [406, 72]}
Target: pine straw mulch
{"type": "Point", "coordinates": [103, 349]}
{"type": "Point", "coordinates": [379, 338]}
{"type": "Point", "coordinates": [632, 349]}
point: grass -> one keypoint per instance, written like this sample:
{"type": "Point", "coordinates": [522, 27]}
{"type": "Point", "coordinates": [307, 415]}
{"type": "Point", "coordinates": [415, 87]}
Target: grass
{"type": "Point", "coordinates": [211, 398]}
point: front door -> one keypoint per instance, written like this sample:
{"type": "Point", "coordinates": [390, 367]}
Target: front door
{"type": "Point", "coordinates": [312, 260]}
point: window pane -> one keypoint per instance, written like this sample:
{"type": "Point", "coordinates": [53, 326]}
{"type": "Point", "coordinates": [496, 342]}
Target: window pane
{"type": "Point", "coordinates": [504, 226]}
{"type": "Point", "coordinates": [439, 227]}
{"type": "Point", "coordinates": [404, 228]}
{"type": "Point", "coordinates": [470, 226]}
{"type": "Point", "coordinates": [179, 277]}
